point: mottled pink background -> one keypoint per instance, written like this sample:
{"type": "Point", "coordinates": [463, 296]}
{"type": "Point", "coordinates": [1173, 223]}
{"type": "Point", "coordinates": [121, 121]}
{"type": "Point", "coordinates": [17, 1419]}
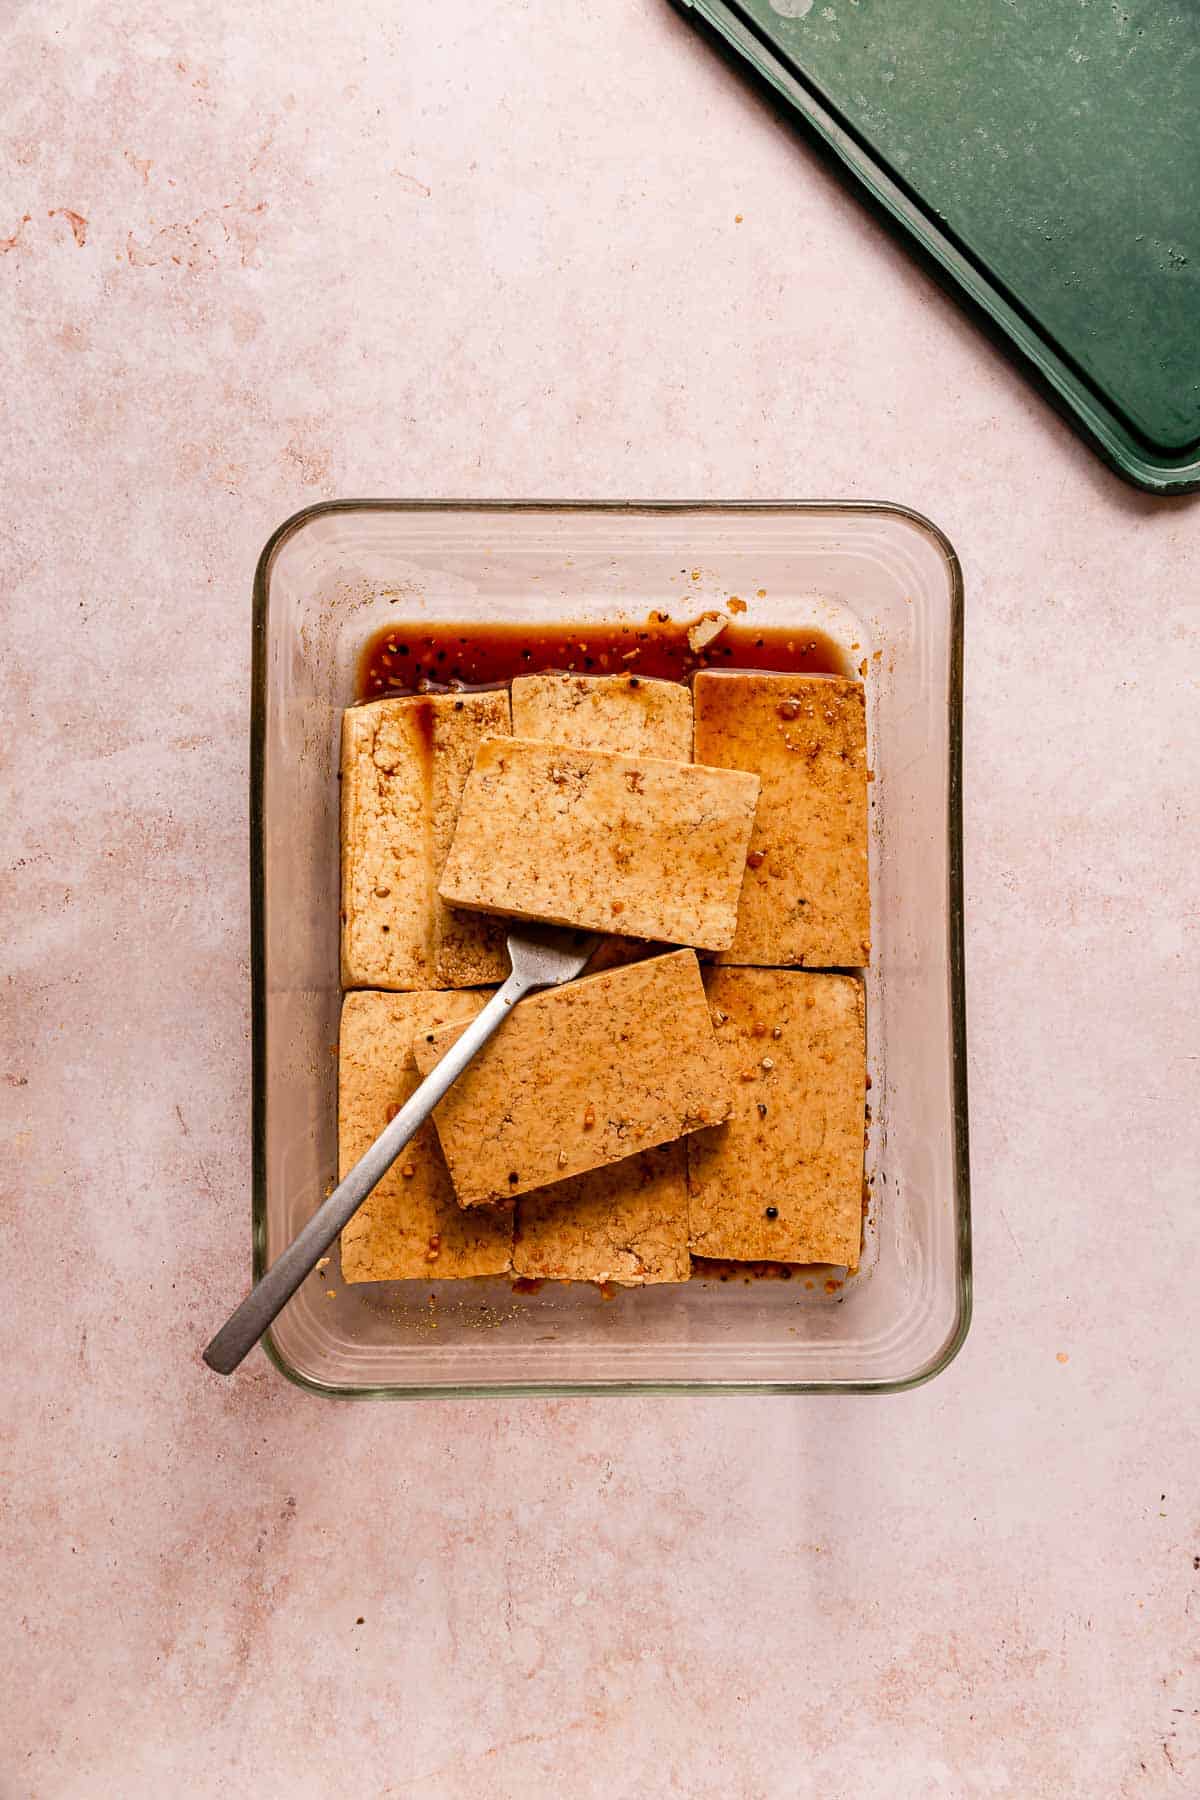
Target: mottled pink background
{"type": "Point", "coordinates": [256, 255]}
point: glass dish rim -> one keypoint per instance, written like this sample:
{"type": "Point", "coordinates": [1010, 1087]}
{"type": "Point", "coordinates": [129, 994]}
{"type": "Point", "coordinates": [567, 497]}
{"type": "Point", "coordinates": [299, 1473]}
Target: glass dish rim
{"type": "Point", "coordinates": [260, 614]}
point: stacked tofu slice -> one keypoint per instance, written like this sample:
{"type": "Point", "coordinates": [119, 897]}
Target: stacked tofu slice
{"type": "Point", "coordinates": [662, 1107]}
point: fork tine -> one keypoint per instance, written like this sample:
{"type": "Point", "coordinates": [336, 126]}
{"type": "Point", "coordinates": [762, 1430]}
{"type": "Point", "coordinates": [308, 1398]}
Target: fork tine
{"type": "Point", "coordinates": [548, 955]}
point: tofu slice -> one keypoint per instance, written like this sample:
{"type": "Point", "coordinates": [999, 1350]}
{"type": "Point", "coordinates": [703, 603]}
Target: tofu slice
{"type": "Point", "coordinates": [631, 714]}
{"type": "Point", "coordinates": [411, 1227]}
{"type": "Point", "coordinates": [626, 1223]}
{"type": "Point", "coordinates": [805, 898]}
{"type": "Point", "coordinates": [795, 1141]}
{"type": "Point", "coordinates": [404, 765]}
{"type": "Point", "coordinates": [580, 1076]}
{"type": "Point", "coordinates": [634, 845]}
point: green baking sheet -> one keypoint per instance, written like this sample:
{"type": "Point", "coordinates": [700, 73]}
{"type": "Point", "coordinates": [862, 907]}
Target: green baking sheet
{"type": "Point", "coordinates": [1046, 154]}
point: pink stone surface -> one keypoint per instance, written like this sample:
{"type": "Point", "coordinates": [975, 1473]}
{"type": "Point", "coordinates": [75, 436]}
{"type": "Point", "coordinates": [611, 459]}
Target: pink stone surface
{"type": "Point", "coordinates": [254, 256]}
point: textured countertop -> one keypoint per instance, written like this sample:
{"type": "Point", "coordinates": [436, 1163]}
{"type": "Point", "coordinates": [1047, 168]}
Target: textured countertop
{"type": "Point", "coordinates": [251, 257]}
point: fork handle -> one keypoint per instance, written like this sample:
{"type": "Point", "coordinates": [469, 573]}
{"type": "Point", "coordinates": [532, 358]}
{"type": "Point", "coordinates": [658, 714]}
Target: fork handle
{"type": "Point", "coordinates": [269, 1296]}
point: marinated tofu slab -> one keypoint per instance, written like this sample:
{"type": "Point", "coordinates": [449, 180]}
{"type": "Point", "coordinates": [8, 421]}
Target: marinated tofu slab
{"type": "Point", "coordinates": [626, 1223]}
{"type": "Point", "coordinates": [634, 845]}
{"type": "Point", "coordinates": [805, 896]}
{"type": "Point", "coordinates": [782, 1181]}
{"type": "Point", "coordinates": [404, 765]}
{"type": "Point", "coordinates": [411, 1227]}
{"type": "Point", "coordinates": [630, 714]}
{"type": "Point", "coordinates": [580, 1076]}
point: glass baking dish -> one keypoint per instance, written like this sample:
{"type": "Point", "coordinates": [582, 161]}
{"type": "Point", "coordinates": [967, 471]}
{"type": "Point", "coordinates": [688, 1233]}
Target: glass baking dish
{"type": "Point", "coordinates": [883, 583]}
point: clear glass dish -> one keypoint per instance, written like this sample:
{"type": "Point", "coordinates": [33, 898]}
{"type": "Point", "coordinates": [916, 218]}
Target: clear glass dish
{"type": "Point", "coordinates": [876, 578]}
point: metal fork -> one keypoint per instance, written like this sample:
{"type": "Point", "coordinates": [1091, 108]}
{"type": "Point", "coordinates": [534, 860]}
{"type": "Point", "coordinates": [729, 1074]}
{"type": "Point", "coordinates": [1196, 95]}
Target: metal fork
{"type": "Point", "coordinates": [541, 956]}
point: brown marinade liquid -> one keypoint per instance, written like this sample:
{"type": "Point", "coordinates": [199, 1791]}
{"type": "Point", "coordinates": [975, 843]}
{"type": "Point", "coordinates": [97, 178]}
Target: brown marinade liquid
{"type": "Point", "coordinates": [421, 658]}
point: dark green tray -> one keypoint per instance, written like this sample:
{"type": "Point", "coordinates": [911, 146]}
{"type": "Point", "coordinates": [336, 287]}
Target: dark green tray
{"type": "Point", "coordinates": [1046, 155]}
